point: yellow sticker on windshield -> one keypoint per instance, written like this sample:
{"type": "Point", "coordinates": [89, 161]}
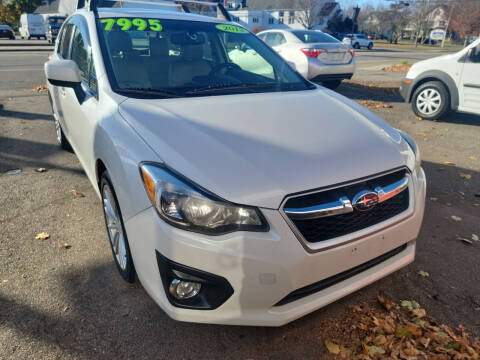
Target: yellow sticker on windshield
{"type": "Point", "coordinates": [232, 29]}
{"type": "Point", "coordinates": [126, 24]}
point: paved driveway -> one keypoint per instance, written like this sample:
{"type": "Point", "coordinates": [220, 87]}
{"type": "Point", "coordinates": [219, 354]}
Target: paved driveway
{"type": "Point", "coordinates": [65, 304]}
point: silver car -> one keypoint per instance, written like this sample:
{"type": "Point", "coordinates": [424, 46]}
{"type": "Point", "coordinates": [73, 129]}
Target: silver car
{"type": "Point", "coordinates": [317, 56]}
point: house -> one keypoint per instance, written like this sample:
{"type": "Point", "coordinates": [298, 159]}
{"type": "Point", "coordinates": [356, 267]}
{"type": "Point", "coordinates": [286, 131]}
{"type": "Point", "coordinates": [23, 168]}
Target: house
{"type": "Point", "coordinates": [285, 18]}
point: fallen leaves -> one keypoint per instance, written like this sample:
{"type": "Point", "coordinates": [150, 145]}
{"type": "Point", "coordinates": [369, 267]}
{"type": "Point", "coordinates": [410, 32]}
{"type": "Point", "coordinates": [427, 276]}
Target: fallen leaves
{"type": "Point", "coordinates": [465, 176]}
{"type": "Point", "coordinates": [41, 170]}
{"type": "Point", "coordinates": [65, 246]}
{"type": "Point", "coordinates": [77, 193]}
{"type": "Point", "coordinates": [371, 104]}
{"type": "Point", "coordinates": [399, 332]}
{"type": "Point", "coordinates": [397, 68]}
{"type": "Point", "coordinates": [42, 236]}
{"type": "Point", "coordinates": [456, 218]}
{"type": "Point", "coordinates": [386, 302]}
{"type": "Point", "coordinates": [473, 158]}
{"type": "Point", "coordinates": [332, 347]}
{"type": "Point", "coordinates": [40, 88]}
{"type": "Point", "coordinates": [423, 273]}
{"type": "Point", "coordinates": [475, 237]}
{"type": "Point", "coordinates": [449, 163]}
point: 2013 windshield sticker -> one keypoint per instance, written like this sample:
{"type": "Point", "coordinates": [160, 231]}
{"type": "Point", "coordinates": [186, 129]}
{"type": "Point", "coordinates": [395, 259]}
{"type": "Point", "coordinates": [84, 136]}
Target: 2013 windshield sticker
{"type": "Point", "coordinates": [126, 24]}
{"type": "Point", "coordinates": [232, 29]}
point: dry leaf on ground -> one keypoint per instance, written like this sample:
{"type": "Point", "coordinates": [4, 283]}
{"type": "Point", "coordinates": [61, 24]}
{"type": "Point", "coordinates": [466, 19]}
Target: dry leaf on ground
{"type": "Point", "coordinates": [40, 170]}
{"type": "Point", "coordinates": [398, 68]}
{"type": "Point", "coordinates": [42, 236]}
{"type": "Point", "coordinates": [371, 104]}
{"type": "Point", "coordinates": [77, 193]}
{"type": "Point", "coordinates": [475, 237]}
{"type": "Point", "coordinates": [456, 218]}
{"type": "Point", "coordinates": [423, 273]}
{"type": "Point", "coordinates": [465, 176]}
{"type": "Point", "coordinates": [65, 246]}
{"type": "Point", "coordinates": [474, 158]}
{"type": "Point", "coordinates": [40, 88]}
{"type": "Point", "coordinates": [332, 347]}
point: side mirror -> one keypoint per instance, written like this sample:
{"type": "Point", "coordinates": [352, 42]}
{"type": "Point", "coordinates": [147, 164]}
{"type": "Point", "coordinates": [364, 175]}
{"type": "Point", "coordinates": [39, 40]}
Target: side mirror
{"type": "Point", "coordinates": [62, 73]}
{"type": "Point", "coordinates": [65, 73]}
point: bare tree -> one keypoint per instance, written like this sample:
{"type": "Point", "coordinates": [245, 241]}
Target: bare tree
{"type": "Point", "coordinates": [307, 14]}
{"type": "Point", "coordinates": [465, 20]}
{"type": "Point", "coordinates": [421, 21]}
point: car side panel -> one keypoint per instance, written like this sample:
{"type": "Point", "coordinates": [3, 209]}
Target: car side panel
{"type": "Point", "coordinates": [121, 150]}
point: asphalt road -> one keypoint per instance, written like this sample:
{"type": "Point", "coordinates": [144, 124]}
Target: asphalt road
{"type": "Point", "coordinates": [72, 304]}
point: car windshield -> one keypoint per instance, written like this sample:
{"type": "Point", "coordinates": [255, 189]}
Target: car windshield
{"type": "Point", "coordinates": [172, 58]}
{"type": "Point", "coordinates": [310, 37]}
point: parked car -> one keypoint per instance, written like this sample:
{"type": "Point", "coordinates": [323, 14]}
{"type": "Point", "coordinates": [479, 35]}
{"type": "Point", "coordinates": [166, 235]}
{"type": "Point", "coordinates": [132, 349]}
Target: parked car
{"type": "Point", "coordinates": [338, 35]}
{"type": "Point", "coordinates": [237, 197]}
{"type": "Point", "coordinates": [53, 25]}
{"type": "Point", "coordinates": [317, 56]}
{"type": "Point", "coordinates": [471, 39]}
{"type": "Point", "coordinates": [32, 25]}
{"type": "Point", "coordinates": [450, 82]}
{"type": "Point", "coordinates": [6, 32]}
{"type": "Point", "coordinates": [358, 41]}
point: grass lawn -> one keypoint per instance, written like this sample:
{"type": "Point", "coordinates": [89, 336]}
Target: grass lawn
{"type": "Point", "coordinates": [406, 44]}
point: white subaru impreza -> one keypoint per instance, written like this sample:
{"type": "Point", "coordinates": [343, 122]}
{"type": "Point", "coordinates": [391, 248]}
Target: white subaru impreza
{"type": "Point", "coordinates": [239, 193]}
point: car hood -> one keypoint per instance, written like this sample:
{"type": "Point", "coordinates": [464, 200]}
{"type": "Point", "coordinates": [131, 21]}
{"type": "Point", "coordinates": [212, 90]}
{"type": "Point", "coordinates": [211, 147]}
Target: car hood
{"type": "Point", "coordinates": [255, 149]}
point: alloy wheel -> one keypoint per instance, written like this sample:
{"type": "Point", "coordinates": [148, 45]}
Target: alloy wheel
{"type": "Point", "coordinates": [114, 227]}
{"type": "Point", "coordinates": [429, 101]}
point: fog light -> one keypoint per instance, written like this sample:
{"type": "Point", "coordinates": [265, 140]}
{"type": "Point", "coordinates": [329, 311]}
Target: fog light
{"type": "Point", "coordinates": [182, 289]}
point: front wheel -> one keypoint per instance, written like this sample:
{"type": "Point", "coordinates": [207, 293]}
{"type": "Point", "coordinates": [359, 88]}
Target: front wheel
{"type": "Point", "coordinates": [431, 100]}
{"type": "Point", "coordinates": [356, 46]}
{"type": "Point", "coordinates": [116, 229]}
{"type": "Point", "coordinates": [332, 84]}
{"type": "Point", "coordinates": [370, 46]}
{"type": "Point", "coordinates": [61, 139]}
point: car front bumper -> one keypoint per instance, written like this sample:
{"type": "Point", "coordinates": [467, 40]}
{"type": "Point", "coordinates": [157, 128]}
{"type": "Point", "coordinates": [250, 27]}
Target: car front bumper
{"type": "Point", "coordinates": [405, 89]}
{"type": "Point", "coordinates": [263, 268]}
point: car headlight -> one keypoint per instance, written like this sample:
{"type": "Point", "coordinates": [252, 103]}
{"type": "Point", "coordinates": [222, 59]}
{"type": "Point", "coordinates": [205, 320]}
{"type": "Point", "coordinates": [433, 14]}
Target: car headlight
{"type": "Point", "coordinates": [187, 206]}
{"type": "Point", "coordinates": [415, 149]}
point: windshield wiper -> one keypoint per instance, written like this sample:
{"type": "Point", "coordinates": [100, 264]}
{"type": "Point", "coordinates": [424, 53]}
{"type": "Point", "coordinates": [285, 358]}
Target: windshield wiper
{"type": "Point", "coordinates": [148, 92]}
{"type": "Point", "coordinates": [223, 88]}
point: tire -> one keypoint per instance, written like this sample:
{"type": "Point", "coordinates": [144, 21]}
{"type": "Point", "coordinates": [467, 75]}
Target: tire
{"type": "Point", "coordinates": [116, 230]}
{"type": "Point", "coordinates": [61, 139]}
{"type": "Point", "coordinates": [332, 84]}
{"type": "Point", "coordinates": [370, 46]}
{"type": "Point", "coordinates": [431, 100]}
{"type": "Point", "coordinates": [356, 45]}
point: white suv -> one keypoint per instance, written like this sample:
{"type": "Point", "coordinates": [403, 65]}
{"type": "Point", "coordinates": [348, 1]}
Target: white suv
{"type": "Point", "coordinates": [450, 82]}
{"type": "Point", "coordinates": [237, 195]}
{"type": "Point", "coordinates": [358, 41]}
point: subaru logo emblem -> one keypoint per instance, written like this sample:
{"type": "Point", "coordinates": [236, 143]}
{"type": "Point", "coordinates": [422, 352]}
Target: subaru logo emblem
{"type": "Point", "coordinates": [365, 200]}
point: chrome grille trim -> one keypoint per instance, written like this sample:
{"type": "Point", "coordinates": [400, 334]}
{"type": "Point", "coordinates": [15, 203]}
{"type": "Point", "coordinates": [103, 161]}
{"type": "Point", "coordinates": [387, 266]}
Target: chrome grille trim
{"type": "Point", "coordinates": [345, 239]}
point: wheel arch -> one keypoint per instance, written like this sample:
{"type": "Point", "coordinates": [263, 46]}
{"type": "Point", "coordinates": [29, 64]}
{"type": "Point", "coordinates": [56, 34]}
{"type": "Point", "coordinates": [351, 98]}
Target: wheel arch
{"type": "Point", "coordinates": [445, 79]}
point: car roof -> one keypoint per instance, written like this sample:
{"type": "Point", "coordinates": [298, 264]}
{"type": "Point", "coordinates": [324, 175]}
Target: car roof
{"type": "Point", "coordinates": [5, 26]}
{"type": "Point", "coordinates": [157, 14]}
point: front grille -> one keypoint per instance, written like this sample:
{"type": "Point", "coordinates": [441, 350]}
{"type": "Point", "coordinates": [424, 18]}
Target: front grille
{"type": "Point", "coordinates": [326, 228]}
{"type": "Point", "coordinates": [335, 279]}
